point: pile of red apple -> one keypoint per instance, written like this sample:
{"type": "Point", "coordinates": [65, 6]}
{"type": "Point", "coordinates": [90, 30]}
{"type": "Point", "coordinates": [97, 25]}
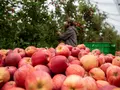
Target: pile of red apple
{"type": "Point", "coordinates": [62, 68]}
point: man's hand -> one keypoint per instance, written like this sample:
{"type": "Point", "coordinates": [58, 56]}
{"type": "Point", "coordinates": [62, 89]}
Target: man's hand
{"type": "Point", "coordinates": [59, 33]}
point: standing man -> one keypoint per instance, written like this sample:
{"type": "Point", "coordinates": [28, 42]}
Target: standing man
{"type": "Point", "coordinates": [70, 35]}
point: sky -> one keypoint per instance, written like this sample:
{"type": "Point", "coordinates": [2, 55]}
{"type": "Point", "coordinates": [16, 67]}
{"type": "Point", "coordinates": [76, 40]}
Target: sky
{"type": "Point", "coordinates": [111, 10]}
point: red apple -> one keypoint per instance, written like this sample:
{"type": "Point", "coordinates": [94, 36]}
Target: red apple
{"type": "Point", "coordinates": [87, 49]}
{"type": "Point", "coordinates": [58, 64]}
{"type": "Point", "coordinates": [16, 88]}
{"type": "Point", "coordinates": [38, 80]}
{"type": "Point", "coordinates": [1, 61]}
{"type": "Point", "coordinates": [96, 52]}
{"type": "Point", "coordinates": [107, 87]}
{"type": "Point", "coordinates": [12, 59]}
{"type": "Point", "coordinates": [30, 50]}
{"type": "Point", "coordinates": [116, 89]}
{"type": "Point", "coordinates": [39, 57]}
{"type": "Point", "coordinates": [62, 50]}
{"type": "Point", "coordinates": [109, 58]}
{"type": "Point", "coordinates": [9, 51]}
{"type": "Point", "coordinates": [105, 66]}
{"type": "Point", "coordinates": [75, 69]}
{"type": "Point", "coordinates": [111, 55]}
{"type": "Point", "coordinates": [24, 61]}
{"type": "Point", "coordinates": [20, 51]}
{"type": "Point", "coordinates": [74, 82]}
{"type": "Point", "coordinates": [49, 54]}
{"type": "Point", "coordinates": [75, 51]}
{"type": "Point", "coordinates": [113, 75]}
{"type": "Point", "coordinates": [81, 46]}
{"type": "Point", "coordinates": [82, 53]}
{"type": "Point", "coordinates": [101, 83]}
{"type": "Point", "coordinates": [58, 80]}
{"type": "Point", "coordinates": [12, 70]}
{"type": "Point", "coordinates": [75, 62]}
{"type": "Point", "coordinates": [116, 61]}
{"type": "Point", "coordinates": [4, 76]}
{"type": "Point", "coordinates": [61, 43]}
{"type": "Point", "coordinates": [101, 59]}
{"type": "Point", "coordinates": [69, 47]}
{"type": "Point", "coordinates": [97, 74]}
{"type": "Point", "coordinates": [90, 83]}
{"type": "Point", "coordinates": [52, 50]}
{"type": "Point", "coordinates": [21, 74]}
{"type": "Point", "coordinates": [4, 51]}
{"type": "Point", "coordinates": [89, 62]}
{"type": "Point", "coordinates": [8, 85]}
{"type": "Point", "coordinates": [72, 58]}
{"type": "Point", "coordinates": [43, 67]}
{"type": "Point", "coordinates": [39, 49]}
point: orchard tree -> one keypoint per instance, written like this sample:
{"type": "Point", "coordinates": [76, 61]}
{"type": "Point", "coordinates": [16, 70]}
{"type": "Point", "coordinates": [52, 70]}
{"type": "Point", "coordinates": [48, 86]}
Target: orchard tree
{"type": "Point", "coordinates": [8, 24]}
{"type": "Point", "coordinates": [29, 25]}
{"type": "Point", "coordinates": [38, 27]}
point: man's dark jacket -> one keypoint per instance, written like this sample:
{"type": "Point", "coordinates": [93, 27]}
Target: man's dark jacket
{"type": "Point", "coordinates": [70, 36]}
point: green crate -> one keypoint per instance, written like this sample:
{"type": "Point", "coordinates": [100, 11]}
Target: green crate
{"type": "Point", "coordinates": [97, 44]}
{"type": "Point", "coordinates": [104, 47]}
{"type": "Point", "coordinates": [112, 49]}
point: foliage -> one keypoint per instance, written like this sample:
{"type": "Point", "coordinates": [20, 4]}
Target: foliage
{"type": "Point", "coordinates": [32, 25]}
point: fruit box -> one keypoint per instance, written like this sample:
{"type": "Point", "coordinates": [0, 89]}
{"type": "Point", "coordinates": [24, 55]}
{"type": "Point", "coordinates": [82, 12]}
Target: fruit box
{"type": "Point", "coordinates": [104, 47]}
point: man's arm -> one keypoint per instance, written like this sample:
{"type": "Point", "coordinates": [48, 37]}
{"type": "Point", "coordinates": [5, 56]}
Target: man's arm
{"type": "Point", "coordinates": [65, 35]}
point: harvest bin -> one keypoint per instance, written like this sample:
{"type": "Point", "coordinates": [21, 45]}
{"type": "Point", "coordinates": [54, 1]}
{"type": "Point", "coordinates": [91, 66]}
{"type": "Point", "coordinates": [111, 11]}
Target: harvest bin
{"type": "Point", "coordinates": [104, 47]}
